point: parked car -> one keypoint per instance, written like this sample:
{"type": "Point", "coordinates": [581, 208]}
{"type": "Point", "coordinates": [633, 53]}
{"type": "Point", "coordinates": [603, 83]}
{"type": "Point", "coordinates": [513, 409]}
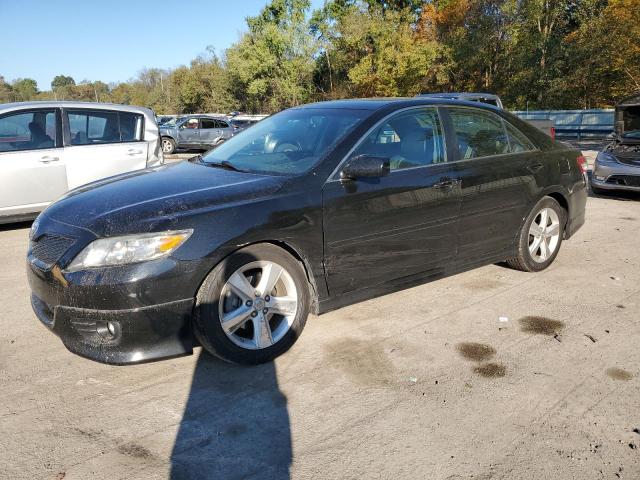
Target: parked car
{"type": "Point", "coordinates": [617, 166]}
{"type": "Point", "coordinates": [195, 132]}
{"type": "Point", "coordinates": [239, 125]}
{"type": "Point", "coordinates": [314, 208]}
{"type": "Point", "coordinates": [48, 148]}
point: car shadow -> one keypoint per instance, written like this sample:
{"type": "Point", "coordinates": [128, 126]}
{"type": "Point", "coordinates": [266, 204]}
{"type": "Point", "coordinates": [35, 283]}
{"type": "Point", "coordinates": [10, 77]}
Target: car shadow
{"type": "Point", "coordinates": [4, 227]}
{"type": "Point", "coordinates": [235, 424]}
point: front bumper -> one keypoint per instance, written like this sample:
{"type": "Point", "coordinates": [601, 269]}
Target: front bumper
{"type": "Point", "coordinates": [609, 176]}
{"type": "Point", "coordinates": [120, 337]}
{"type": "Point", "coordinates": [118, 315]}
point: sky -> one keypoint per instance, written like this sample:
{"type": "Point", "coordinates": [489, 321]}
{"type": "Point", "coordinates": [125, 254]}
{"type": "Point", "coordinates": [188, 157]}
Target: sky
{"type": "Point", "coordinates": [112, 40]}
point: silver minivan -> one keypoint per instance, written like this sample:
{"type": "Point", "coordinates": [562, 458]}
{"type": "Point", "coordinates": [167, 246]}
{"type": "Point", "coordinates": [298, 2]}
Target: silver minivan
{"type": "Point", "coordinates": [48, 148]}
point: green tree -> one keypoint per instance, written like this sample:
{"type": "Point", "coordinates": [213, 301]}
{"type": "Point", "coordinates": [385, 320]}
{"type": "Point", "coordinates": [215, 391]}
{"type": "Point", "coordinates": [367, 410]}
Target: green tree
{"type": "Point", "coordinates": [6, 92]}
{"type": "Point", "coordinates": [24, 89]}
{"type": "Point", "coordinates": [271, 67]}
{"type": "Point", "coordinates": [62, 81]}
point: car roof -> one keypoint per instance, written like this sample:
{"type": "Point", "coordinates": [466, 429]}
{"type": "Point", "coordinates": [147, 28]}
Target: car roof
{"type": "Point", "coordinates": [460, 95]}
{"type": "Point", "coordinates": [373, 104]}
{"type": "Point", "coordinates": [6, 107]}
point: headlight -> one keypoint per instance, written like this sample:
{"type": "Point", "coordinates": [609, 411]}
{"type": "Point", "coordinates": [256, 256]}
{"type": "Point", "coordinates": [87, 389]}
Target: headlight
{"type": "Point", "coordinates": [128, 249]}
{"type": "Point", "coordinates": [605, 158]}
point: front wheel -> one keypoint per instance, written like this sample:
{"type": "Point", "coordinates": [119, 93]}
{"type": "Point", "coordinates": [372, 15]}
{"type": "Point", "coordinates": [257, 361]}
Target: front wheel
{"type": "Point", "coordinates": [252, 306]}
{"type": "Point", "coordinates": [168, 145]}
{"type": "Point", "coordinates": [541, 236]}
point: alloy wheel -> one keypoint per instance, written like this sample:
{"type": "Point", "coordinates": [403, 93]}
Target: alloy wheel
{"type": "Point", "coordinates": [544, 235]}
{"type": "Point", "coordinates": [167, 146]}
{"type": "Point", "coordinates": [258, 304]}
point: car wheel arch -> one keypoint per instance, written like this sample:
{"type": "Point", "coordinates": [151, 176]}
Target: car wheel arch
{"type": "Point", "coordinates": [553, 192]}
{"type": "Point", "coordinates": [312, 278]}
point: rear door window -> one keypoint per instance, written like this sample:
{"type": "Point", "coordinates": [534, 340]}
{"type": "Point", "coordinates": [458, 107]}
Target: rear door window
{"type": "Point", "coordinates": [479, 133]}
{"type": "Point", "coordinates": [93, 127]}
{"type": "Point", "coordinates": [33, 130]}
{"type": "Point", "coordinates": [207, 123]}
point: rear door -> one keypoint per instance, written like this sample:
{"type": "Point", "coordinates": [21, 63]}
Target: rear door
{"type": "Point", "coordinates": [102, 143]}
{"type": "Point", "coordinates": [380, 229]}
{"type": "Point", "coordinates": [209, 132]}
{"type": "Point", "coordinates": [32, 163]}
{"type": "Point", "coordinates": [491, 158]}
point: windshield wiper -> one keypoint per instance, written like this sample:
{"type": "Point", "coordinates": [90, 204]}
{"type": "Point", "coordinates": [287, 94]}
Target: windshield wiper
{"type": "Point", "coordinates": [222, 164]}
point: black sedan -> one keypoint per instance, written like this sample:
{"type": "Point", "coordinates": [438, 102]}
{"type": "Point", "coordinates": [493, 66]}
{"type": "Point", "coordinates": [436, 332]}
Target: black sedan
{"type": "Point", "coordinates": [312, 209]}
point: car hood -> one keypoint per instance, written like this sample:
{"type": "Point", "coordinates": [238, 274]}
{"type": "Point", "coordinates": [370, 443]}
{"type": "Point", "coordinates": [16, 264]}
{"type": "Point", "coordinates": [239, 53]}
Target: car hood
{"type": "Point", "coordinates": [157, 198]}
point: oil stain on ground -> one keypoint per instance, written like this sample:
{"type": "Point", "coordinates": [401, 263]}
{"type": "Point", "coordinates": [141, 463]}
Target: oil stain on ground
{"type": "Point", "coordinates": [541, 325]}
{"type": "Point", "coordinates": [135, 450]}
{"type": "Point", "coordinates": [361, 361]}
{"type": "Point", "coordinates": [491, 370]}
{"type": "Point", "coordinates": [476, 352]}
{"type": "Point", "coordinates": [619, 374]}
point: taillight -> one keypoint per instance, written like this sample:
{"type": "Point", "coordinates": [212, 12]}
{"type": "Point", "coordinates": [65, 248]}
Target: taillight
{"type": "Point", "coordinates": [582, 163]}
{"type": "Point", "coordinates": [552, 132]}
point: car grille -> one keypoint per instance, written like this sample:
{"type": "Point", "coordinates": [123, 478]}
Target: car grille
{"type": "Point", "coordinates": [49, 248]}
{"type": "Point", "coordinates": [628, 180]}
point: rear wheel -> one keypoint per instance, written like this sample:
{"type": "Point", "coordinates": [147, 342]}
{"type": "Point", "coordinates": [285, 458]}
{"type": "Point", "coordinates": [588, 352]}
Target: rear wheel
{"type": "Point", "coordinates": [252, 307]}
{"type": "Point", "coordinates": [168, 145]}
{"type": "Point", "coordinates": [541, 237]}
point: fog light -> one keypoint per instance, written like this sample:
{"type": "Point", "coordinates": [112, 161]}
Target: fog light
{"type": "Point", "coordinates": [108, 330]}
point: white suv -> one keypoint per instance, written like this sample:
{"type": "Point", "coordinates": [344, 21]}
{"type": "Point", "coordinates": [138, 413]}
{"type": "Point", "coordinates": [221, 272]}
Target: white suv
{"type": "Point", "coordinates": [48, 148]}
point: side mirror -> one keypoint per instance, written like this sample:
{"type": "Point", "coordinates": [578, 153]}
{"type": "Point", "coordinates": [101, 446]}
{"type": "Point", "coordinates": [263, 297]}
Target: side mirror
{"type": "Point", "coordinates": [365, 166]}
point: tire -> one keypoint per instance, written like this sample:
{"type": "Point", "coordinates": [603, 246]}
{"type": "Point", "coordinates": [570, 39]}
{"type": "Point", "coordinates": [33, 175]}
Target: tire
{"type": "Point", "coordinates": [168, 145]}
{"type": "Point", "coordinates": [532, 256]}
{"type": "Point", "coordinates": [223, 295]}
{"type": "Point", "coordinates": [597, 191]}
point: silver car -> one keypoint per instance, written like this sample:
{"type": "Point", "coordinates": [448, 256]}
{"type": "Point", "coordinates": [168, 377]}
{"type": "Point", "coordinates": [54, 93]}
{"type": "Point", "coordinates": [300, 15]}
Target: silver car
{"type": "Point", "coordinates": [48, 148]}
{"type": "Point", "coordinates": [197, 132]}
{"type": "Point", "coordinates": [617, 167]}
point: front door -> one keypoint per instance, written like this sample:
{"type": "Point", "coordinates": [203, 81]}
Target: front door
{"type": "Point", "coordinates": [102, 143]}
{"type": "Point", "coordinates": [189, 133]}
{"type": "Point", "coordinates": [31, 161]}
{"type": "Point", "coordinates": [378, 230]}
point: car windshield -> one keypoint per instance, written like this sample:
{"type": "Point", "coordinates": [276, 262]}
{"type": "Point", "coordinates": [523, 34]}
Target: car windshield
{"type": "Point", "coordinates": [288, 143]}
{"type": "Point", "coordinates": [172, 122]}
{"type": "Point", "coordinates": [631, 119]}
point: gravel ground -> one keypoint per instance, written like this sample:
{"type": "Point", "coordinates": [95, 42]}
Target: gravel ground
{"type": "Point", "coordinates": [490, 374]}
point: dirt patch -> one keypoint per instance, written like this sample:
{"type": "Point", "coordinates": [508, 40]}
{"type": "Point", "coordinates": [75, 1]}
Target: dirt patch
{"type": "Point", "coordinates": [630, 219]}
{"type": "Point", "coordinates": [483, 284]}
{"type": "Point", "coordinates": [135, 450]}
{"type": "Point", "coordinates": [362, 362]}
{"type": "Point", "coordinates": [491, 370]}
{"type": "Point", "coordinates": [619, 374]}
{"type": "Point", "coordinates": [476, 352]}
{"type": "Point", "coordinates": [541, 325]}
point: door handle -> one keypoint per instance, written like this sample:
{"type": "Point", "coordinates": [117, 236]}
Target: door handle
{"type": "Point", "coordinates": [534, 167]}
{"type": "Point", "coordinates": [446, 183]}
{"type": "Point", "coordinates": [133, 151]}
{"type": "Point", "coordinates": [48, 159]}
